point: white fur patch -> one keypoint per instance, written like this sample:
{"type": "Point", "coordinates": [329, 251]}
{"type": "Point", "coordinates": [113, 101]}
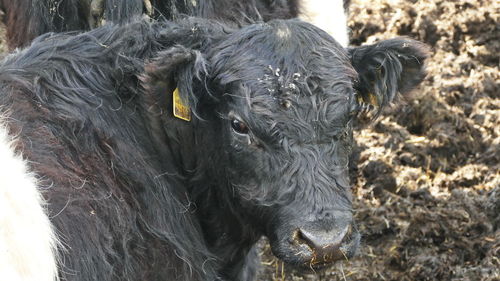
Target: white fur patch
{"type": "Point", "coordinates": [328, 15]}
{"type": "Point", "coordinates": [283, 33]}
{"type": "Point", "coordinates": [27, 241]}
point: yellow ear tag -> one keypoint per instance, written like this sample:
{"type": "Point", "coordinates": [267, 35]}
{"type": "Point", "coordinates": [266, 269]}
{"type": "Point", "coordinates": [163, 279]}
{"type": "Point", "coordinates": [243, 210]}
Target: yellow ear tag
{"type": "Point", "coordinates": [372, 99]}
{"type": "Point", "coordinates": [181, 110]}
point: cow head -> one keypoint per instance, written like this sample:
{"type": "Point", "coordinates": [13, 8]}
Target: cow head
{"type": "Point", "coordinates": [272, 111]}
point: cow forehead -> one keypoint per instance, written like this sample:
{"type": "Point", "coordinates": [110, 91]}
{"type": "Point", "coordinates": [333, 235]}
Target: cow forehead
{"type": "Point", "coordinates": [287, 46]}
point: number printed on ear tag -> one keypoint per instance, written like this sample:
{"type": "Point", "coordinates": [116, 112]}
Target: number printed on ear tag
{"type": "Point", "coordinates": [181, 110]}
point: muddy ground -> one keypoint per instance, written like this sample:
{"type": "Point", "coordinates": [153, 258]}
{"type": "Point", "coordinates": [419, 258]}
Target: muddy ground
{"type": "Point", "coordinates": [426, 180]}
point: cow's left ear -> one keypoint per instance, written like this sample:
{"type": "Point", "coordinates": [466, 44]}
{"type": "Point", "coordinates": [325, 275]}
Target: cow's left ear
{"type": "Point", "coordinates": [177, 69]}
{"type": "Point", "coordinates": [387, 68]}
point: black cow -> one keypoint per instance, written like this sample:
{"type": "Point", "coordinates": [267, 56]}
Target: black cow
{"type": "Point", "coordinates": [164, 151]}
{"type": "Point", "coordinates": [26, 19]}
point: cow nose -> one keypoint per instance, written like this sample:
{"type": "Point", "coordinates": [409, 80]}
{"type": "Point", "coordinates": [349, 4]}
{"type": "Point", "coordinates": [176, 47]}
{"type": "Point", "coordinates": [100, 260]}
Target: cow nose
{"type": "Point", "coordinates": [325, 245]}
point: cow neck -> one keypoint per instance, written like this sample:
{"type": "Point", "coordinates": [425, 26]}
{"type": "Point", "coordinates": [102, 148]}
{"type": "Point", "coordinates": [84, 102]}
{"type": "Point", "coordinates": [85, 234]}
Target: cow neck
{"type": "Point", "coordinates": [223, 230]}
{"type": "Point", "coordinates": [224, 226]}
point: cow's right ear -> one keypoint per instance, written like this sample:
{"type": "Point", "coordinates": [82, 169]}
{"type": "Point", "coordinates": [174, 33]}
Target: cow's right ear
{"type": "Point", "coordinates": [177, 69]}
{"type": "Point", "coordinates": [387, 68]}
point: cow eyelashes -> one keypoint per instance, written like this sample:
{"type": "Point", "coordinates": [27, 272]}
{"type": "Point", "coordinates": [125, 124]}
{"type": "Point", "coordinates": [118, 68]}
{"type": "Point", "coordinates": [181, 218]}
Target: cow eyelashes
{"type": "Point", "coordinates": [239, 126]}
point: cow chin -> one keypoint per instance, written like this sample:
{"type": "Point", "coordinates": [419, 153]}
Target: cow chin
{"type": "Point", "coordinates": [312, 249]}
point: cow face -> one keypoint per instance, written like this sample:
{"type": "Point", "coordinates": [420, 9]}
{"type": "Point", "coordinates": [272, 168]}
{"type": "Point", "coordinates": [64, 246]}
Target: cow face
{"type": "Point", "coordinates": [273, 105]}
{"type": "Point", "coordinates": [287, 104]}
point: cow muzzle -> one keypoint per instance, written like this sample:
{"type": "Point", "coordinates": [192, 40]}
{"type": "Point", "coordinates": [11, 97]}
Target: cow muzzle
{"type": "Point", "coordinates": [316, 244]}
{"type": "Point", "coordinates": [324, 247]}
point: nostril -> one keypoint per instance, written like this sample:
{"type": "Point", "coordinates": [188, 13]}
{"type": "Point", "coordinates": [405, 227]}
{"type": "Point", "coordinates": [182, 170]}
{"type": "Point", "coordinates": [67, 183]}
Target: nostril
{"type": "Point", "coordinates": [325, 245]}
{"type": "Point", "coordinates": [322, 239]}
{"type": "Point", "coordinates": [305, 237]}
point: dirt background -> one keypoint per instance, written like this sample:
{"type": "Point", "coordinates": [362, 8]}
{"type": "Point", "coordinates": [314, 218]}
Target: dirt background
{"type": "Point", "coordinates": [426, 175]}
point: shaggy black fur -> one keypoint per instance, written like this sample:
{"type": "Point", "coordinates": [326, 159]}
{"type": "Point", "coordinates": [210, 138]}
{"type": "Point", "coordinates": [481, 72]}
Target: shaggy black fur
{"type": "Point", "coordinates": [137, 194]}
{"type": "Point", "coordinates": [26, 19]}
{"type": "Point", "coordinates": [77, 105]}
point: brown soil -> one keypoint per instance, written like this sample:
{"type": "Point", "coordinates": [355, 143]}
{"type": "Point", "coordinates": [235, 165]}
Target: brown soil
{"type": "Point", "coordinates": [427, 179]}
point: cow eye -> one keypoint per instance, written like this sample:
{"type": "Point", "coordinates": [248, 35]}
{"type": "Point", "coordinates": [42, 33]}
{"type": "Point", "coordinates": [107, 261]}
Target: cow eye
{"type": "Point", "coordinates": [239, 126]}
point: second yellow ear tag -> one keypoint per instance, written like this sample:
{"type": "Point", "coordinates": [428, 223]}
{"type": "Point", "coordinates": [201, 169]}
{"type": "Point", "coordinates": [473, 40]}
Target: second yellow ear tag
{"type": "Point", "coordinates": [181, 110]}
{"type": "Point", "coordinates": [370, 99]}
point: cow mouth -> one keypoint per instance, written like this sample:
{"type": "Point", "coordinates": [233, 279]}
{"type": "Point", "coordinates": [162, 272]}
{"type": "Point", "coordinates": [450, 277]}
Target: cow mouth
{"type": "Point", "coordinates": [304, 255]}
